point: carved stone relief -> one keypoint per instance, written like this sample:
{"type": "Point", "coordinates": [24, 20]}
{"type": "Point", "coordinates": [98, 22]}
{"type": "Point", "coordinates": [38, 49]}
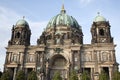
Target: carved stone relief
{"type": "Point", "coordinates": [104, 55]}
{"type": "Point", "coordinates": [30, 58]}
{"type": "Point", "coordinates": [87, 56]}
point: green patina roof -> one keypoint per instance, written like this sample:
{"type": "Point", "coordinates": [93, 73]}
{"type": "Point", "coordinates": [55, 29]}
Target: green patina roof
{"type": "Point", "coordinates": [22, 23]}
{"type": "Point", "coordinates": [63, 19]}
{"type": "Point", "coordinates": [99, 18]}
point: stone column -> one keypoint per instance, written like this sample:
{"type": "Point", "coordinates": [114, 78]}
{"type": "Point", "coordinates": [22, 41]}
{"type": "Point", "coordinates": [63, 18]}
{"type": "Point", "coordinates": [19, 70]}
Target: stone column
{"type": "Point", "coordinates": [110, 73]}
{"type": "Point", "coordinates": [43, 65]}
{"type": "Point", "coordinates": [42, 59]}
{"type": "Point", "coordinates": [96, 61]}
{"type": "Point", "coordinates": [68, 72]}
{"type": "Point", "coordinates": [19, 57]}
{"type": "Point", "coordinates": [47, 70]}
{"type": "Point", "coordinates": [100, 69]}
{"type": "Point", "coordinates": [71, 55]}
{"type": "Point", "coordinates": [79, 74]}
{"type": "Point", "coordinates": [38, 76]}
{"type": "Point", "coordinates": [22, 60]}
{"type": "Point", "coordinates": [9, 57]}
{"type": "Point", "coordinates": [26, 72]}
{"type": "Point", "coordinates": [42, 76]}
{"type": "Point", "coordinates": [92, 72]}
{"type": "Point", "coordinates": [114, 57]}
{"type": "Point", "coordinates": [79, 65]}
{"type": "Point", "coordinates": [6, 59]}
{"type": "Point", "coordinates": [14, 73]}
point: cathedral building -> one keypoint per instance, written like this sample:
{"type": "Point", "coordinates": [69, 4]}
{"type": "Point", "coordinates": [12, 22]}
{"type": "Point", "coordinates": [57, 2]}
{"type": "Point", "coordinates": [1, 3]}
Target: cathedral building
{"type": "Point", "coordinates": [60, 48]}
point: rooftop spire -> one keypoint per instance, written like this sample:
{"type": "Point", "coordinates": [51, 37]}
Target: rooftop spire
{"type": "Point", "coordinates": [63, 9]}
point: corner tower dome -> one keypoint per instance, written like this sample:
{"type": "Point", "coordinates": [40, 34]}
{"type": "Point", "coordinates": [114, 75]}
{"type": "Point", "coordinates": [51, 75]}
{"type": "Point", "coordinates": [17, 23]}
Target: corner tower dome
{"type": "Point", "coordinates": [63, 19]}
{"type": "Point", "coordinates": [22, 23]}
{"type": "Point", "coordinates": [99, 18]}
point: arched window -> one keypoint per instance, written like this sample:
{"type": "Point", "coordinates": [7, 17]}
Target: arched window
{"type": "Point", "coordinates": [59, 60]}
{"type": "Point", "coordinates": [104, 56]}
{"type": "Point", "coordinates": [17, 35]}
{"type": "Point", "coordinates": [31, 58]}
{"type": "Point", "coordinates": [101, 32]}
{"type": "Point", "coordinates": [24, 34]}
{"type": "Point", "coordinates": [14, 58]}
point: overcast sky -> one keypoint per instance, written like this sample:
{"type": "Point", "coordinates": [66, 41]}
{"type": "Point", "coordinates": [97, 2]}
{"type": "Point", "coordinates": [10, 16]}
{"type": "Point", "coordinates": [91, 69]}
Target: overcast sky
{"type": "Point", "coordinates": [38, 12]}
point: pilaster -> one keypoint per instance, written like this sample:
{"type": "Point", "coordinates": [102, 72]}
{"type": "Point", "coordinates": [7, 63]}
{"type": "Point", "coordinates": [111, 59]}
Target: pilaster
{"type": "Point", "coordinates": [110, 72]}
{"type": "Point", "coordinates": [14, 74]}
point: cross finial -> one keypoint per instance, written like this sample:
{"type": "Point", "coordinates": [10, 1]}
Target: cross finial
{"type": "Point", "coordinates": [23, 17]}
{"type": "Point", "coordinates": [98, 13]}
{"type": "Point", "coordinates": [63, 5]}
{"type": "Point", "coordinates": [63, 9]}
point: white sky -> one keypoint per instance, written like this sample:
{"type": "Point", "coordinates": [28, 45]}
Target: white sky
{"type": "Point", "coordinates": [39, 12]}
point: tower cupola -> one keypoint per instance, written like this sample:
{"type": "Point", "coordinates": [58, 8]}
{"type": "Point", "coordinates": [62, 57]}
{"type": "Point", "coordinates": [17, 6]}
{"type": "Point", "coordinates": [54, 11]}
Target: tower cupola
{"type": "Point", "coordinates": [101, 30]}
{"type": "Point", "coordinates": [99, 18]}
{"type": "Point", "coordinates": [22, 23]}
{"type": "Point", "coordinates": [20, 33]}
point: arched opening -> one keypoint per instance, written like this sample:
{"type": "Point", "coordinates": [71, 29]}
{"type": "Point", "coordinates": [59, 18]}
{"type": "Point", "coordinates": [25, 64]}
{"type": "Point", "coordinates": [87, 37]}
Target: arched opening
{"type": "Point", "coordinates": [58, 64]}
{"type": "Point", "coordinates": [58, 61]}
{"type": "Point", "coordinates": [101, 32]}
{"type": "Point", "coordinates": [17, 35]}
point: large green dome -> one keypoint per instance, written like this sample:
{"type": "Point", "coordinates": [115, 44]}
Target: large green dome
{"type": "Point", "coordinates": [22, 23]}
{"type": "Point", "coordinates": [63, 19]}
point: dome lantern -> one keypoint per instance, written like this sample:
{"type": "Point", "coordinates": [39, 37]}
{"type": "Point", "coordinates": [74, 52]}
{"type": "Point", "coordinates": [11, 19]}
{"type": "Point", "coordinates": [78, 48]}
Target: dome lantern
{"type": "Point", "coordinates": [63, 9]}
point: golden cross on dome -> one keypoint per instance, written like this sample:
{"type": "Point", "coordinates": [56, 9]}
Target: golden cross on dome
{"type": "Point", "coordinates": [63, 8]}
{"type": "Point", "coordinates": [63, 5]}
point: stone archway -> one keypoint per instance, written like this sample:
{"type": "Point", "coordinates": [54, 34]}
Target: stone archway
{"type": "Point", "coordinates": [58, 63]}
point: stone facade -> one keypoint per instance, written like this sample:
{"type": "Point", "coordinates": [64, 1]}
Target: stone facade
{"type": "Point", "coordinates": [60, 48]}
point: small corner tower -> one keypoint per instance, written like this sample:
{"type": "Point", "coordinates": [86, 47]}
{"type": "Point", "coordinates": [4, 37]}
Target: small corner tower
{"type": "Point", "coordinates": [20, 33]}
{"type": "Point", "coordinates": [101, 30]}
